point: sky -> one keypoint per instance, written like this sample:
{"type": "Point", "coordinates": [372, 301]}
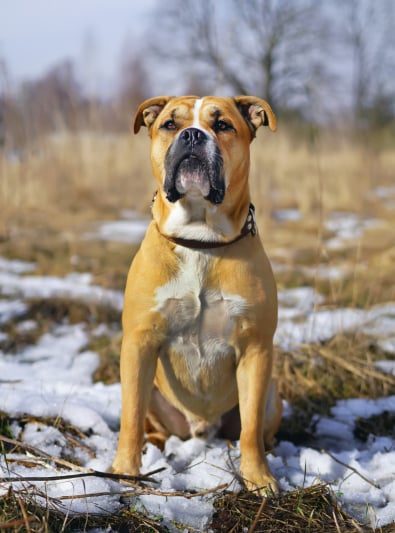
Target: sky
{"type": "Point", "coordinates": [34, 35]}
{"type": "Point", "coordinates": [38, 34]}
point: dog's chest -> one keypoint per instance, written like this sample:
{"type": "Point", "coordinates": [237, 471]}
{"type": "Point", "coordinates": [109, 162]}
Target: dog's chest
{"type": "Point", "coordinates": [200, 317]}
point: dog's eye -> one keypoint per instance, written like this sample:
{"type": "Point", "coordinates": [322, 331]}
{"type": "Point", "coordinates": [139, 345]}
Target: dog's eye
{"type": "Point", "coordinates": [221, 125]}
{"type": "Point", "coordinates": [169, 125]}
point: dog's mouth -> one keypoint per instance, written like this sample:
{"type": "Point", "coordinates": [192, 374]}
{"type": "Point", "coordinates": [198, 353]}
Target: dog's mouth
{"type": "Point", "coordinates": [191, 177]}
{"type": "Point", "coordinates": [195, 174]}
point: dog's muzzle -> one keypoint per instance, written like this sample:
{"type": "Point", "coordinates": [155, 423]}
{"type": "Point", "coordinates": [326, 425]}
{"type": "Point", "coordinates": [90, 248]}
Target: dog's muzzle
{"type": "Point", "coordinates": [194, 167]}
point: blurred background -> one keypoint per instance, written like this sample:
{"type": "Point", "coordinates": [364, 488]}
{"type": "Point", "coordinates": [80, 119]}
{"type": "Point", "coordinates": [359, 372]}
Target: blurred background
{"type": "Point", "coordinates": [72, 75]}
{"type": "Point", "coordinates": [76, 188]}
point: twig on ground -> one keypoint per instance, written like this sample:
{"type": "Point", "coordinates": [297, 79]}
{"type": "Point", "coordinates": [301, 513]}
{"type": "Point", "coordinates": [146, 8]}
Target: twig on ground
{"type": "Point", "coordinates": [24, 514]}
{"type": "Point", "coordinates": [257, 516]}
{"type": "Point", "coordinates": [376, 485]}
{"type": "Point", "coordinates": [84, 472]}
{"type": "Point", "coordinates": [92, 473]}
{"type": "Point", "coordinates": [148, 490]}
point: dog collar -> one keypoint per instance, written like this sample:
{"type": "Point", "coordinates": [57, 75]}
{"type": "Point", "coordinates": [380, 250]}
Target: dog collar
{"type": "Point", "coordinates": [248, 228]}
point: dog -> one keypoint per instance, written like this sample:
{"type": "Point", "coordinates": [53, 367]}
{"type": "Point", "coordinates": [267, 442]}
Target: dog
{"type": "Point", "coordinates": [200, 305]}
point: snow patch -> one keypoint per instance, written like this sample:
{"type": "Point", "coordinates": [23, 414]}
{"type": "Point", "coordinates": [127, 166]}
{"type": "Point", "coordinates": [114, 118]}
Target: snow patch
{"type": "Point", "coordinates": [53, 379]}
{"type": "Point", "coordinates": [129, 230]}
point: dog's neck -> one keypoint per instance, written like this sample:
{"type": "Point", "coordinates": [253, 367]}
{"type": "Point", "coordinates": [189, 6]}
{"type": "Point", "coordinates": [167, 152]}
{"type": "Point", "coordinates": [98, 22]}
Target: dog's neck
{"type": "Point", "coordinates": [198, 224]}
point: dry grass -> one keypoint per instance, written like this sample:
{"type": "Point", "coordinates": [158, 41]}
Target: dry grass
{"type": "Point", "coordinates": [20, 513]}
{"type": "Point", "coordinates": [69, 171]}
{"type": "Point", "coordinates": [316, 376]}
{"type": "Point", "coordinates": [310, 510]}
{"type": "Point", "coordinates": [52, 194]}
{"type": "Point", "coordinates": [307, 510]}
{"type": "Point", "coordinates": [328, 172]}
{"type": "Point", "coordinates": [78, 176]}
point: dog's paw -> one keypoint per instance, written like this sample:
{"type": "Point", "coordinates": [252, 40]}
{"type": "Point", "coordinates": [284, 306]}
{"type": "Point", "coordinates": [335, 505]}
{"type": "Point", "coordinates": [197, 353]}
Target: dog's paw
{"type": "Point", "coordinates": [260, 482]}
{"type": "Point", "coordinates": [122, 465]}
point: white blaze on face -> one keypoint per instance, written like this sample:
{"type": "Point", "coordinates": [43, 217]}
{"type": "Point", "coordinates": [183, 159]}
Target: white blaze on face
{"type": "Point", "coordinates": [196, 113]}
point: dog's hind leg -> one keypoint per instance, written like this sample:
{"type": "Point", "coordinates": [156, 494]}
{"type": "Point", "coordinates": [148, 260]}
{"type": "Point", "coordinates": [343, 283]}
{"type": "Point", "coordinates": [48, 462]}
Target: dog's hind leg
{"type": "Point", "coordinates": [163, 420]}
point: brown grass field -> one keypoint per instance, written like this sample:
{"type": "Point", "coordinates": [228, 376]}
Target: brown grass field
{"type": "Point", "coordinates": [61, 186]}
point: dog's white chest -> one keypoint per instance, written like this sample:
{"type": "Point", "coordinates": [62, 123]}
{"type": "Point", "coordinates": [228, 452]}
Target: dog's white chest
{"type": "Point", "coordinates": [200, 319]}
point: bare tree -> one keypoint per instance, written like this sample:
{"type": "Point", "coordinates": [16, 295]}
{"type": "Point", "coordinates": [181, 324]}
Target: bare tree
{"type": "Point", "coordinates": [134, 85]}
{"type": "Point", "coordinates": [4, 92]}
{"type": "Point", "coordinates": [270, 48]}
{"type": "Point", "coordinates": [370, 40]}
{"type": "Point", "coordinates": [13, 130]}
{"type": "Point", "coordinates": [53, 101]}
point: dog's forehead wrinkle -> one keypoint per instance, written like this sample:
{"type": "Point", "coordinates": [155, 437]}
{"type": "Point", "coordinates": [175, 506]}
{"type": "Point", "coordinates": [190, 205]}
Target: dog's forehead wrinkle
{"type": "Point", "coordinates": [213, 112]}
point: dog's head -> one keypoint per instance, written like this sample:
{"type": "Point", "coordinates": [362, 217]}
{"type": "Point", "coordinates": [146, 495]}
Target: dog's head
{"type": "Point", "coordinates": [200, 146]}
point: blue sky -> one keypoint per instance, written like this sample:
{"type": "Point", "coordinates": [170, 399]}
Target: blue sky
{"type": "Point", "coordinates": [35, 34]}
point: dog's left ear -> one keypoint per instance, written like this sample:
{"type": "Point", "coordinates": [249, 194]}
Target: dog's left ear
{"type": "Point", "coordinates": [256, 112]}
{"type": "Point", "coordinates": [148, 111]}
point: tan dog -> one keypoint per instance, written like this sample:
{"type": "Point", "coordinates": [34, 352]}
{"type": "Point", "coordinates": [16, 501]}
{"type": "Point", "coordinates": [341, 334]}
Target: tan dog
{"type": "Point", "coordinates": [200, 302]}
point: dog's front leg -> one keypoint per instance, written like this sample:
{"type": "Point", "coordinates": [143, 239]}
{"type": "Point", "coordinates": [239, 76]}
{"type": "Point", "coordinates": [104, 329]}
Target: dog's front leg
{"type": "Point", "coordinates": [253, 381]}
{"type": "Point", "coordinates": [138, 365]}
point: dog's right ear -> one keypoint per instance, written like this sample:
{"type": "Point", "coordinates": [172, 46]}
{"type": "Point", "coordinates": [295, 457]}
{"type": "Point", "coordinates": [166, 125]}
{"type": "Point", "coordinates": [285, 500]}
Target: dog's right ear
{"type": "Point", "coordinates": [148, 111]}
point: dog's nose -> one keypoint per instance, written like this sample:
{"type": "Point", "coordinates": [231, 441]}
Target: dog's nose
{"type": "Point", "coordinates": [193, 136]}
